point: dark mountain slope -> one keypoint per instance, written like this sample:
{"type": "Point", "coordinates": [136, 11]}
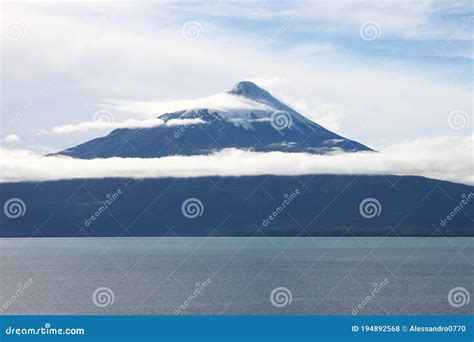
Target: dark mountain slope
{"type": "Point", "coordinates": [326, 205]}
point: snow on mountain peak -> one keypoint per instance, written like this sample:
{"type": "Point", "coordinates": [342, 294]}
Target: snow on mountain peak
{"type": "Point", "coordinates": [243, 105]}
{"type": "Point", "coordinates": [250, 90]}
{"type": "Point", "coordinates": [246, 117]}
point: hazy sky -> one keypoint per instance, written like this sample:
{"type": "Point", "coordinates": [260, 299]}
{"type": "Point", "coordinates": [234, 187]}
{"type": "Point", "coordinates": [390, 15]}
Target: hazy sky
{"type": "Point", "coordinates": [381, 73]}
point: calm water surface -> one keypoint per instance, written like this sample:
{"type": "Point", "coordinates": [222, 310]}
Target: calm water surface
{"type": "Point", "coordinates": [235, 275]}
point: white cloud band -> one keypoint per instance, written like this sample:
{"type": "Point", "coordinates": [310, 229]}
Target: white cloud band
{"type": "Point", "coordinates": [447, 158]}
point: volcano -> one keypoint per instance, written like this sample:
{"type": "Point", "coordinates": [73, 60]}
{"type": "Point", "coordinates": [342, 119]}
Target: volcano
{"type": "Point", "coordinates": [268, 205]}
{"type": "Point", "coordinates": [257, 121]}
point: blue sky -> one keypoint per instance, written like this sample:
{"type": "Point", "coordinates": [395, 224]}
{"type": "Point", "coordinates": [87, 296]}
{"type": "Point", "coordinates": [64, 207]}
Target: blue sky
{"type": "Point", "coordinates": [378, 72]}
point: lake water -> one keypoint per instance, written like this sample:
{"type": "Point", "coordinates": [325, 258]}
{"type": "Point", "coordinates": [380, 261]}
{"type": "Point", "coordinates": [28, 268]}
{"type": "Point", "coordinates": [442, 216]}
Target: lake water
{"type": "Point", "coordinates": [235, 276]}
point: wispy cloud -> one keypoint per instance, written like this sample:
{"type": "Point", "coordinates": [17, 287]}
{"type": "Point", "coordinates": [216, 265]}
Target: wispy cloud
{"type": "Point", "coordinates": [12, 139]}
{"type": "Point", "coordinates": [131, 123]}
{"type": "Point", "coordinates": [221, 101]}
{"type": "Point", "coordinates": [447, 158]}
{"type": "Point", "coordinates": [104, 119]}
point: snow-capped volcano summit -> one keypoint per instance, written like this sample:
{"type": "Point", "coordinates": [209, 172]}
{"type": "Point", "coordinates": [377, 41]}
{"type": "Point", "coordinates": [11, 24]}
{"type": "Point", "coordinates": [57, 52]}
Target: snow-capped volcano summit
{"type": "Point", "coordinates": [252, 91]}
{"type": "Point", "coordinates": [255, 121]}
{"type": "Point", "coordinates": [245, 105]}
